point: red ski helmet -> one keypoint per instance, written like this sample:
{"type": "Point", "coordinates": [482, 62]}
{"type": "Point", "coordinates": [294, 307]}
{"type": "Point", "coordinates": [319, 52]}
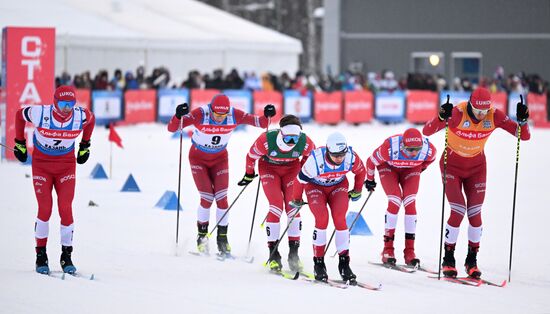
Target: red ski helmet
{"type": "Point", "coordinates": [64, 95]}
{"type": "Point", "coordinates": [481, 99]}
{"type": "Point", "coordinates": [412, 138]}
{"type": "Point", "coordinates": [220, 104]}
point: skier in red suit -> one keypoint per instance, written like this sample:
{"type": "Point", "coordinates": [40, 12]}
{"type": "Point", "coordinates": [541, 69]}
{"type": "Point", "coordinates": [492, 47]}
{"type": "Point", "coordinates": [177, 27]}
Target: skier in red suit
{"type": "Point", "coordinates": [281, 153]}
{"type": "Point", "coordinates": [324, 177]}
{"type": "Point", "coordinates": [470, 125]}
{"type": "Point", "coordinates": [57, 127]}
{"type": "Point", "coordinates": [214, 123]}
{"type": "Point", "coordinates": [400, 160]}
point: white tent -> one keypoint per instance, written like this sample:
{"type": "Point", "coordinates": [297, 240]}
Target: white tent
{"type": "Point", "coordinates": [179, 34]}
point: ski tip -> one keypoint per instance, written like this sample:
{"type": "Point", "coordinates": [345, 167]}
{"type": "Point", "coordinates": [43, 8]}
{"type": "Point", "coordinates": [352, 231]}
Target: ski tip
{"type": "Point", "coordinates": [249, 259]}
{"type": "Point", "coordinates": [504, 283]}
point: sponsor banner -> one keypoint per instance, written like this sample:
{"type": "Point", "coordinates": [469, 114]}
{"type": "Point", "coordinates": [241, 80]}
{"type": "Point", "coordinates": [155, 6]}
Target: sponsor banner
{"type": "Point", "coordinates": [264, 98]}
{"type": "Point", "coordinates": [422, 105]}
{"type": "Point", "coordinates": [390, 107]}
{"type": "Point", "coordinates": [83, 97]}
{"type": "Point", "coordinates": [168, 100]}
{"type": "Point", "coordinates": [538, 110]}
{"type": "Point", "coordinates": [28, 65]}
{"type": "Point", "coordinates": [298, 103]}
{"type": "Point", "coordinates": [455, 97]}
{"type": "Point", "coordinates": [201, 97]}
{"type": "Point", "coordinates": [140, 106]}
{"type": "Point", "coordinates": [240, 99]}
{"type": "Point", "coordinates": [107, 106]}
{"type": "Point", "coordinates": [327, 107]}
{"type": "Point", "coordinates": [499, 100]}
{"type": "Point", "coordinates": [358, 106]}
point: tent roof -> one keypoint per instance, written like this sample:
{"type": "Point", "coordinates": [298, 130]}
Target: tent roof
{"type": "Point", "coordinates": [170, 24]}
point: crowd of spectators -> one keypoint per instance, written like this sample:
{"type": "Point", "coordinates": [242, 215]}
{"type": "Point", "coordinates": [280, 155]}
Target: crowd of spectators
{"type": "Point", "coordinates": [382, 81]}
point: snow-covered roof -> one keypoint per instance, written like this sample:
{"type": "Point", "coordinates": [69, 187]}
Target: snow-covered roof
{"type": "Point", "coordinates": [169, 24]}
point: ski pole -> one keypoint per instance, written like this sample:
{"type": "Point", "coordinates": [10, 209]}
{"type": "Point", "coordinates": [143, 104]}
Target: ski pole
{"type": "Point", "coordinates": [179, 183]}
{"type": "Point", "coordinates": [443, 196]}
{"type": "Point", "coordinates": [263, 222]}
{"type": "Point", "coordinates": [256, 202]}
{"type": "Point", "coordinates": [227, 211]}
{"type": "Point", "coordinates": [7, 147]}
{"type": "Point", "coordinates": [514, 201]}
{"type": "Point", "coordinates": [350, 228]}
{"type": "Point", "coordinates": [282, 236]}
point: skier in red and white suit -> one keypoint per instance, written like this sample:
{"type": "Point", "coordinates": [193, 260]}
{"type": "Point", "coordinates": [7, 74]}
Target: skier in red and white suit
{"type": "Point", "coordinates": [214, 123]}
{"type": "Point", "coordinates": [400, 160]}
{"type": "Point", "coordinates": [324, 177]}
{"type": "Point", "coordinates": [279, 152]}
{"type": "Point", "coordinates": [57, 127]}
{"type": "Point", "coordinates": [470, 125]}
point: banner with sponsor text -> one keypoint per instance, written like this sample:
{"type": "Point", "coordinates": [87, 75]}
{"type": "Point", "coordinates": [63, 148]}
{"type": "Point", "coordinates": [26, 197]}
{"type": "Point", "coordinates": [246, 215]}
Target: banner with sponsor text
{"type": "Point", "coordinates": [168, 100]}
{"type": "Point", "coordinates": [298, 103]}
{"type": "Point", "coordinates": [107, 106]}
{"type": "Point", "coordinates": [422, 105]}
{"type": "Point", "coordinates": [358, 106]}
{"type": "Point", "coordinates": [390, 107]}
{"type": "Point", "coordinates": [264, 98]}
{"type": "Point", "coordinates": [28, 68]}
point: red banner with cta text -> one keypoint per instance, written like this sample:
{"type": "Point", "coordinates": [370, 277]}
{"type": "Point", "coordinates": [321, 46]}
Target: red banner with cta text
{"type": "Point", "coordinates": [83, 98]}
{"type": "Point", "coordinates": [201, 97]}
{"type": "Point", "coordinates": [28, 59]}
{"type": "Point", "coordinates": [499, 100]}
{"type": "Point", "coordinates": [140, 106]}
{"type": "Point", "coordinates": [422, 105]}
{"type": "Point", "coordinates": [358, 106]}
{"type": "Point", "coordinates": [264, 98]}
{"type": "Point", "coordinates": [538, 112]}
{"type": "Point", "coordinates": [327, 107]}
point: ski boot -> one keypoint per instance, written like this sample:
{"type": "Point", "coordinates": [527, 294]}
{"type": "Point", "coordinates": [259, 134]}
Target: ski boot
{"type": "Point", "coordinates": [388, 256]}
{"type": "Point", "coordinates": [202, 239]}
{"type": "Point", "coordinates": [410, 257]}
{"type": "Point", "coordinates": [344, 269]}
{"type": "Point", "coordinates": [448, 265]}
{"type": "Point", "coordinates": [319, 269]}
{"type": "Point", "coordinates": [275, 263]}
{"type": "Point", "coordinates": [223, 246]}
{"type": "Point", "coordinates": [42, 260]}
{"type": "Point", "coordinates": [66, 262]}
{"type": "Point", "coordinates": [471, 263]}
{"type": "Point", "coordinates": [293, 259]}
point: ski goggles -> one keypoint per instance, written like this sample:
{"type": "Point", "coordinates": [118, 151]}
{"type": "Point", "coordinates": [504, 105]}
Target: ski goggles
{"type": "Point", "coordinates": [219, 115]}
{"type": "Point", "coordinates": [339, 154]}
{"type": "Point", "coordinates": [478, 112]}
{"type": "Point", "coordinates": [66, 104]}
{"type": "Point", "coordinates": [413, 149]}
{"type": "Point", "coordinates": [291, 139]}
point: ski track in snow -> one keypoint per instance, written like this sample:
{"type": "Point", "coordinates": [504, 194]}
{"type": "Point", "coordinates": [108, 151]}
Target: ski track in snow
{"type": "Point", "coordinates": [130, 245]}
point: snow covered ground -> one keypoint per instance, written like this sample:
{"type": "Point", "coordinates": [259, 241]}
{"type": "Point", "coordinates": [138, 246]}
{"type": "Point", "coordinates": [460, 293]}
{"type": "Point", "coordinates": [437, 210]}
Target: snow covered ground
{"type": "Point", "coordinates": [130, 245]}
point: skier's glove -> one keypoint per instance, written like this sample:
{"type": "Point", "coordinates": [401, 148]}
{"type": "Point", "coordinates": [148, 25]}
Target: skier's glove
{"type": "Point", "coordinates": [269, 111]}
{"type": "Point", "coordinates": [370, 185]}
{"type": "Point", "coordinates": [446, 110]}
{"type": "Point", "coordinates": [182, 110]}
{"type": "Point", "coordinates": [297, 204]}
{"type": "Point", "coordinates": [20, 150]}
{"type": "Point", "coordinates": [522, 112]}
{"type": "Point", "coordinates": [247, 179]}
{"type": "Point", "coordinates": [83, 152]}
{"type": "Point", "coordinates": [354, 196]}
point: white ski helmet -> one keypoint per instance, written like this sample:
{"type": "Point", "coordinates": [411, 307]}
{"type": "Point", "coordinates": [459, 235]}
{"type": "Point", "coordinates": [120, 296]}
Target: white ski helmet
{"type": "Point", "coordinates": [336, 143]}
